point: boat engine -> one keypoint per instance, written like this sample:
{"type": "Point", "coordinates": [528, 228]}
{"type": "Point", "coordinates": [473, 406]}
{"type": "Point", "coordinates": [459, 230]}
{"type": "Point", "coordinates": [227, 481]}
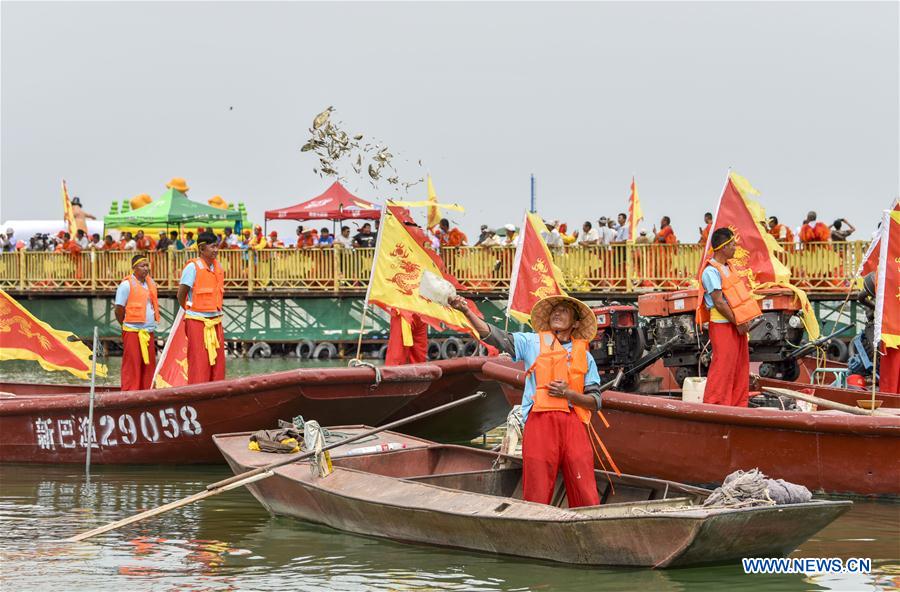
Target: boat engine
{"type": "Point", "coordinates": [773, 336]}
{"type": "Point", "coordinates": [861, 351]}
{"type": "Point", "coordinates": [619, 343]}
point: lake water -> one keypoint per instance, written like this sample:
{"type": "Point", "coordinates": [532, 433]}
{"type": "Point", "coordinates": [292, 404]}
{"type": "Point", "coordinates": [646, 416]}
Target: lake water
{"type": "Point", "coordinates": [229, 542]}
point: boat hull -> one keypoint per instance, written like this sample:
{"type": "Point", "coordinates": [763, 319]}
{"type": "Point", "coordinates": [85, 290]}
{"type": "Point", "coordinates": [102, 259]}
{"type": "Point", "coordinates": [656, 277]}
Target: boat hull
{"type": "Point", "coordinates": [175, 425]}
{"type": "Point", "coordinates": [664, 437]}
{"type": "Point", "coordinates": [460, 377]}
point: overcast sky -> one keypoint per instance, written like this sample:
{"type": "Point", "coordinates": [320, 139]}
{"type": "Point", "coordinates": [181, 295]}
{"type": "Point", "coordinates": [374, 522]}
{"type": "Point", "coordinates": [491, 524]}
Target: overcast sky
{"type": "Point", "coordinates": [801, 98]}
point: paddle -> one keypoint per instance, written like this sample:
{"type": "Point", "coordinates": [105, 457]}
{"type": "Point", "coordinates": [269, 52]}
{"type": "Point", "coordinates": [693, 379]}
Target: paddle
{"type": "Point", "coordinates": [263, 472]}
{"type": "Point", "coordinates": [819, 401]}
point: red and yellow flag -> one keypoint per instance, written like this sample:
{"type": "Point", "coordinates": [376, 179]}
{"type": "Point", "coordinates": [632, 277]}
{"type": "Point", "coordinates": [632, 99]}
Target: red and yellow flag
{"type": "Point", "coordinates": [635, 212]}
{"type": "Point", "coordinates": [887, 294]}
{"type": "Point", "coordinates": [756, 248]}
{"type": "Point", "coordinates": [534, 275]}
{"type": "Point", "coordinates": [68, 213]}
{"type": "Point", "coordinates": [754, 256]}
{"type": "Point", "coordinates": [402, 255]}
{"type": "Point", "coordinates": [870, 259]}
{"type": "Point", "coordinates": [171, 368]}
{"type": "Point", "coordinates": [24, 337]}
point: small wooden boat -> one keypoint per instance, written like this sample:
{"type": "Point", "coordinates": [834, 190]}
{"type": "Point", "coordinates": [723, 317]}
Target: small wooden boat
{"type": "Point", "coordinates": [664, 437]}
{"type": "Point", "coordinates": [466, 498]}
{"type": "Point", "coordinates": [174, 425]}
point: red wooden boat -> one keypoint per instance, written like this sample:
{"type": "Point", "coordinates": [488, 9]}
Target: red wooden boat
{"type": "Point", "coordinates": [460, 377]}
{"type": "Point", "coordinates": [49, 424]}
{"type": "Point", "coordinates": [462, 497]}
{"type": "Point", "coordinates": [664, 437]}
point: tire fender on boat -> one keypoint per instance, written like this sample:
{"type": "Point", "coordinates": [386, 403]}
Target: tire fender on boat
{"type": "Point", "coordinates": [837, 350]}
{"type": "Point", "coordinates": [434, 349]}
{"type": "Point", "coordinates": [304, 349]}
{"type": "Point", "coordinates": [452, 347]}
{"type": "Point", "coordinates": [260, 350]}
{"type": "Point", "coordinates": [324, 351]}
{"type": "Point", "coordinates": [381, 352]}
{"type": "Point", "coordinates": [470, 348]}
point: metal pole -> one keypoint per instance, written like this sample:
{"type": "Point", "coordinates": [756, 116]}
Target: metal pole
{"type": "Point", "coordinates": [874, 376]}
{"type": "Point", "coordinates": [533, 196]}
{"type": "Point", "coordinates": [90, 428]}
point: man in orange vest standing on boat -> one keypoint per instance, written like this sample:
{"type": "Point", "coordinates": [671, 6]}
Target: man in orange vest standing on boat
{"type": "Point", "coordinates": [137, 310]}
{"type": "Point", "coordinates": [728, 306]}
{"type": "Point", "coordinates": [562, 391]}
{"type": "Point", "coordinates": [201, 293]}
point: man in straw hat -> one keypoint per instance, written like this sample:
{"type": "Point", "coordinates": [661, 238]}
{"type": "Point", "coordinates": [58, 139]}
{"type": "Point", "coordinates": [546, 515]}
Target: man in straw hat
{"type": "Point", "coordinates": [137, 310]}
{"type": "Point", "coordinates": [201, 293]}
{"type": "Point", "coordinates": [562, 390]}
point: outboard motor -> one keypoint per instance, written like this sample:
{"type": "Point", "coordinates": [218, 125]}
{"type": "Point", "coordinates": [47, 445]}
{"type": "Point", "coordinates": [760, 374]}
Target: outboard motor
{"type": "Point", "coordinates": [619, 343]}
{"type": "Point", "coordinates": [860, 361]}
{"type": "Point", "coordinates": [774, 335]}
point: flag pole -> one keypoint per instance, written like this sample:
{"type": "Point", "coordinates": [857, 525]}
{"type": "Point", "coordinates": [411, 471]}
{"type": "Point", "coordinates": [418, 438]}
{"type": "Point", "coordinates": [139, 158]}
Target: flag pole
{"type": "Point", "coordinates": [533, 196]}
{"type": "Point", "coordinates": [362, 320]}
{"type": "Point", "coordinates": [874, 377]}
{"type": "Point", "coordinates": [90, 424]}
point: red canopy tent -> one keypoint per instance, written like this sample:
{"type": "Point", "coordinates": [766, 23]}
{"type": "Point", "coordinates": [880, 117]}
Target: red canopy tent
{"type": "Point", "coordinates": [335, 204]}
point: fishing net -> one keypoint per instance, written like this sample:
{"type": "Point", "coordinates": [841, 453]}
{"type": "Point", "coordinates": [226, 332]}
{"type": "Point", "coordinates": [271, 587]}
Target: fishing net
{"type": "Point", "coordinates": [752, 488]}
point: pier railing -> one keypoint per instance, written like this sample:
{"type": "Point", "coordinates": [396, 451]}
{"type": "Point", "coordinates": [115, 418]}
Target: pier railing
{"type": "Point", "coordinates": [620, 268]}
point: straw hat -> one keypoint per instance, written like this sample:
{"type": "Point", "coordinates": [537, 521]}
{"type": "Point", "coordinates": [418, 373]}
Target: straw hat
{"type": "Point", "coordinates": [178, 184]}
{"type": "Point", "coordinates": [585, 326]}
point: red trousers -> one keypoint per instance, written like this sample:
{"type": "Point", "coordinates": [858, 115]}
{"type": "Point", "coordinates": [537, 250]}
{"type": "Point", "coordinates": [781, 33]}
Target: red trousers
{"type": "Point", "coordinates": [889, 371]}
{"type": "Point", "coordinates": [199, 369]}
{"type": "Point", "coordinates": [728, 382]}
{"type": "Point", "coordinates": [136, 375]}
{"type": "Point", "coordinates": [555, 440]}
{"type": "Point", "coordinates": [397, 353]}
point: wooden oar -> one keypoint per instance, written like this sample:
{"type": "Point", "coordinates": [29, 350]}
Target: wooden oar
{"type": "Point", "coordinates": [819, 401]}
{"type": "Point", "coordinates": [263, 472]}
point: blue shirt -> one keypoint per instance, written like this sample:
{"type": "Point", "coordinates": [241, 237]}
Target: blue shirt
{"type": "Point", "coordinates": [188, 277]}
{"type": "Point", "coordinates": [122, 293]}
{"type": "Point", "coordinates": [712, 281]}
{"type": "Point", "coordinates": [528, 348]}
{"type": "Point", "coordinates": [326, 240]}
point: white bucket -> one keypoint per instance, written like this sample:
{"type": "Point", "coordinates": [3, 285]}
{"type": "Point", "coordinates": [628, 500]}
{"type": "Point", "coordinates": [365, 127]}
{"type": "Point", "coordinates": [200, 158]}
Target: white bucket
{"type": "Point", "coordinates": [692, 390]}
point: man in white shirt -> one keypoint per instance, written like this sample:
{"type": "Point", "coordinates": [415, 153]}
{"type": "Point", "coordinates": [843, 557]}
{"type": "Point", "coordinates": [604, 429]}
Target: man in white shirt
{"type": "Point", "coordinates": [343, 239]}
{"type": "Point", "coordinates": [553, 238]}
{"type": "Point", "coordinates": [230, 240]}
{"type": "Point", "coordinates": [82, 239]}
{"type": "Point", "coordinates": [606, 234]}
{"type": "Point", "coordinates": [511, 239]}
{"type": "Point", "coordinates": [622, 229]}
{"type": "Point", "coordinates": [589, 236]}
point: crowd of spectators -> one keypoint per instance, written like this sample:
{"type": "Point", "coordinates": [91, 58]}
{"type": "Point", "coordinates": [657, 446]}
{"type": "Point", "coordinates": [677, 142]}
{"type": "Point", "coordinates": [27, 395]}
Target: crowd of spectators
{"type": "Point", "coordinates": [606, 231]}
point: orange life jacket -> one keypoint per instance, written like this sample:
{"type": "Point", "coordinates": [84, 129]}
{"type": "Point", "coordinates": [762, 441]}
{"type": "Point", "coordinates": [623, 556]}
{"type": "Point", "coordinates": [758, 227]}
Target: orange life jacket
{"type": "Point", "coordinates": [555, 363]}
{"type": "Point", "coordinates": [136, 306]}
{"type": "Point", "coordinates": [209, 287]}
{"type": "Point", "coordinates": [737, 294]}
